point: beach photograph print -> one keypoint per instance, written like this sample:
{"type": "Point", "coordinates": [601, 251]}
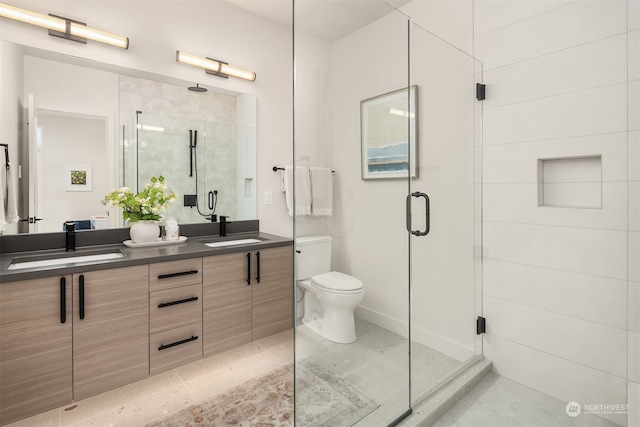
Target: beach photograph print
{"type": "Point", "coordinates": [389, 134]}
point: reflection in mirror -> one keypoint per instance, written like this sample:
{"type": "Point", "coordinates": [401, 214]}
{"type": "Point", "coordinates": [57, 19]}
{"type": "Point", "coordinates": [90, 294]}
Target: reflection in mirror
{"type": "Point", "coordinates": [71, 170]}
{"type": "Point", "coordinates": [209, 164]}
{"type": "Point", "coordinates": [226, 149]}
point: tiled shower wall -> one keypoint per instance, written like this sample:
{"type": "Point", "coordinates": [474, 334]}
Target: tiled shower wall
{"type": "Point", "coordinates": [561, 282]}
{"type": "Point", "coordinates": [166, 153]}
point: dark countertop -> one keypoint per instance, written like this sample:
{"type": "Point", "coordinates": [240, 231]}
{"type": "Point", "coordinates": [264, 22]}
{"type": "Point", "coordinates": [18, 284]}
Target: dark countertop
{"type": "Point", "coordinates": [194, 247]}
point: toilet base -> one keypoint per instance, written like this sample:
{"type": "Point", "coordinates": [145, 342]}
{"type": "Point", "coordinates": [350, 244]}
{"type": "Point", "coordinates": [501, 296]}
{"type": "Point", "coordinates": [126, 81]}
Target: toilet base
{"type": "Point", "coordinates": [335, 326]}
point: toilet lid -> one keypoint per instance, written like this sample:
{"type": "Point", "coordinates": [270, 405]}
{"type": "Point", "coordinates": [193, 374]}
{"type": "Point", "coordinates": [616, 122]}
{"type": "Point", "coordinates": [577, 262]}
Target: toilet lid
{"type": "Point", "coordinates": [336, 281]}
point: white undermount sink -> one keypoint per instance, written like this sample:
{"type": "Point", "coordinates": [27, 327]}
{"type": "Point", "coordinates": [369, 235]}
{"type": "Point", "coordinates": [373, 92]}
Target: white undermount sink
{"type": "Point", "coordinates": [27, 262]}
{"type": "Point", "coordinates": [232, 243]}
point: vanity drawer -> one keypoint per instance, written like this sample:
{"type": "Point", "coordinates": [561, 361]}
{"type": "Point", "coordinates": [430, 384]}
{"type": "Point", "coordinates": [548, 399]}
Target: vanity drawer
{"type": "Point", "coordinates": [166, 275]}
{"type": "Point", "coordinates": [176, 347]}
{"type": "Point", "coordinates": [173, 308]}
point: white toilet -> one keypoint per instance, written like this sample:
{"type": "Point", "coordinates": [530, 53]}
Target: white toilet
{"type": "Point", "coordinates": [329, 296]}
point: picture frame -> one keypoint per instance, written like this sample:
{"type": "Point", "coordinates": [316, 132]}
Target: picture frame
{"type": "Point", "coordinates": [77, 178]}
{"type": "Point", "coordinates": [389, 135]}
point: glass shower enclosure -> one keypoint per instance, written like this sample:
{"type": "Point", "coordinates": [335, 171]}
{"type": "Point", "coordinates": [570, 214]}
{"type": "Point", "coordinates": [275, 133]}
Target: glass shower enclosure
{"type": "Point", "coordinates": [390, 108]}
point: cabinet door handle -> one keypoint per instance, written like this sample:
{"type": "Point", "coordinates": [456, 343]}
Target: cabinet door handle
{"type": "Point", "coordinates": [173, 344]}
{"type": "Point", "coordinates": [258, 266]}
{"type": "Point", "coordinates": [182, 301]}
{"type": "Point", "coordinates": [81, 296]}
{"type": "Point", "coordinates": [181, 273]}
{"type": "Point", "coordinates": [63, 300]}
{"type": "Point", "coordinates": [249, 268]}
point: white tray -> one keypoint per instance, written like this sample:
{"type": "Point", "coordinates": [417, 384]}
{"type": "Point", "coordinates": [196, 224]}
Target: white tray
{"type": "Point", "coordinates": [159, 242]}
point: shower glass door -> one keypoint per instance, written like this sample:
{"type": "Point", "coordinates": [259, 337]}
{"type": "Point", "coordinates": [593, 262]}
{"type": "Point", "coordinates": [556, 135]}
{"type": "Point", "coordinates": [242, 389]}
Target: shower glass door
{"type": "Point", "coordinates": [352, 115]}
{"type": "Point", "coordinates": [445, 198]}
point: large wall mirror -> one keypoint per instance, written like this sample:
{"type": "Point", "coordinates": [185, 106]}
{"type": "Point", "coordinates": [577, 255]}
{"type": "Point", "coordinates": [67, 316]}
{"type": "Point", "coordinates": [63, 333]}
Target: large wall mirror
{"type": "Point", "coordinates": [114, 127]}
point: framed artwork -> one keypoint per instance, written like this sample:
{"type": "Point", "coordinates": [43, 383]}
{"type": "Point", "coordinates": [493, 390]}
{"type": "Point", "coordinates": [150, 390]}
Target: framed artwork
{"type": "Point", "coordinates": [77, 178]}
{"type": "Point", "coordinates": [389, 135]}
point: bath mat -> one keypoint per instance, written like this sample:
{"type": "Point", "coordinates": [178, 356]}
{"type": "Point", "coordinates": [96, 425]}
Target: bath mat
{"type": "Point", "coordinates": [324, 399]}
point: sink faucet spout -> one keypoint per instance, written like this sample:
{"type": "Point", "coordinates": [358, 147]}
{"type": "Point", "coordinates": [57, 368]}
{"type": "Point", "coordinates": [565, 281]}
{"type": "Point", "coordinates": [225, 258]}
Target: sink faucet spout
{"type": "Point", "coordinates": [70, 228]}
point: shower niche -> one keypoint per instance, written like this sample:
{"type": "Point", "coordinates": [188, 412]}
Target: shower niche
{"type": "Point", "coordinates": [570, 182]}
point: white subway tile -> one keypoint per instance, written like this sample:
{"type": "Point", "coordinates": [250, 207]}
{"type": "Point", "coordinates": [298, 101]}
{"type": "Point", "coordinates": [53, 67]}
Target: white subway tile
{"type": "Point", "coordinates": [581, 250]}
{"type": "Point", "coordinates": [519, 162]}
{"type": "Point", "coordinates": [634, 54]}
{"type": "Point", "coordinates": [594, 111]}
{"type": "Point", "coordinates": [634, 205]}
{"type": "Point", "coordinates": [555, 376]}
{"type": "Point", "coordinates": [634, 18]}
{"type": "Point", "coordinates": [634, 156]}
{"type": "Point", "coordinates": [634, 105]}
{"type": "Point", "coordinates": [634, 306]}
{"type": "Point", "coordinates": [518, 202]}
{"type": "Point", "coordinates": [634, 356]}
{"type": "Point", "coordinates": [491, 15]}
{"type": "Point", "coordinates": [634, 404]}
{"type": "Point", "coordinates": [601, 63]}
{"type": "Point", "coordinates": [552, 31]}
{"type": "Point", "coordinates": [592, 344]}
{"type": "Point", "coordinates": [634, 256]}
{"type": "Point", "coordinates": [594, 298]}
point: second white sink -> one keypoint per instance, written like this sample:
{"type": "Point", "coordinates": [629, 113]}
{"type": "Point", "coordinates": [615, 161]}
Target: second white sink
{"type": "Point", "coordinates": [52, 262]}
{"type": "Point", "coordinates": [232, 243]}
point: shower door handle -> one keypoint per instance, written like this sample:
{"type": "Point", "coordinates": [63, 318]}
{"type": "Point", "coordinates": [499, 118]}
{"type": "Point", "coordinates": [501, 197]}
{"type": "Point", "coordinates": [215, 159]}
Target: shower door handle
{"type": "Point", "coordinates": [427, 214]}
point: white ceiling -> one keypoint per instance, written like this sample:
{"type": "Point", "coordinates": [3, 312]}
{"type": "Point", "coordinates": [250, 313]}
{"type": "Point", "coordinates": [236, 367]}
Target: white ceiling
{"type": "Point", "coordinates": [312, 16]}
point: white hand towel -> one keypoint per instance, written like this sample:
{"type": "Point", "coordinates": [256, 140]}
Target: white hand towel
{"type": "Point", "coordinates": [302, 190]}
{"type": "Point", "coordinates": [3, 197]}
{"type": "Point", "coordinates": [12, 196]}
{"type": "Point", "coordinates": [321, 191]}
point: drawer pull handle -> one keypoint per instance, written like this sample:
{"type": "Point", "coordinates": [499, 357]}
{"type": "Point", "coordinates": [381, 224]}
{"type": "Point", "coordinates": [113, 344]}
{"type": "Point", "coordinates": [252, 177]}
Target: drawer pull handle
{"type": "Point", "coordinates": [182, 273]}
{"type": "Point", "coordinates": [182, 301]}
{"type": "Point", "coordinates": [173, 344]}
{"type": "Point", "coordinates": [63, 300]}
{"type": "Point", "coordinates": [81, 296]}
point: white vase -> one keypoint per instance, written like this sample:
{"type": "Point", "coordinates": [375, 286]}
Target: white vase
{"type": "Point", "coordinates": [145, 231]}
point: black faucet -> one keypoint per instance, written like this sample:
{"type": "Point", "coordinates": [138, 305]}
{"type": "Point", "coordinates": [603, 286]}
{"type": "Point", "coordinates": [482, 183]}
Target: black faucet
{"type": "Point", "coordinates": [70, 228]}
{"type": "Point", "coordinates": [223, 225]}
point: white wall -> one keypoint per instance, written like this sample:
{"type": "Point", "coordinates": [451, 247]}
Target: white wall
{"type": "Point", "coordinates": [70, 140]}
{"type": "Point", "coordinates": [557, 279]}
{"type": "Point", "coordinates": [209, 28]}
{"type": "Point", "coordinates": [11, 104]}
{"type": "Point", "coordinates": [370, 238]}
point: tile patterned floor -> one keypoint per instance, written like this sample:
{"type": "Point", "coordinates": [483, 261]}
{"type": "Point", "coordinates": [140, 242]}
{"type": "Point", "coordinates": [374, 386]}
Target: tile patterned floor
{"type": "Point", "coordinates": [377, 365]}
{"type": "Point", "coordinates": [156, 397]}
{"type": "Point", "coordinates": [497, 401]}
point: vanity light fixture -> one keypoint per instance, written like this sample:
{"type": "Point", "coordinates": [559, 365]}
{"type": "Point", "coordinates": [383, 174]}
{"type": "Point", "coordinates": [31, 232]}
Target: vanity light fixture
{"type": "Point", "coordinates": [63, 27]}
{"type": "Point", "coordinates": [214, 66]}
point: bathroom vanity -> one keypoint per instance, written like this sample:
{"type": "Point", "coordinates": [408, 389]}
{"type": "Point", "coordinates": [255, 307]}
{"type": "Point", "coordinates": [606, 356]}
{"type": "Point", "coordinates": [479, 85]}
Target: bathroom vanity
{"type": "Point", "coordinates": [78, 329]}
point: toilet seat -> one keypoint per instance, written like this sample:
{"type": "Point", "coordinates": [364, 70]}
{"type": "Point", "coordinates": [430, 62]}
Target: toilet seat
{"type": "Point", "coordinates": [337, 283]}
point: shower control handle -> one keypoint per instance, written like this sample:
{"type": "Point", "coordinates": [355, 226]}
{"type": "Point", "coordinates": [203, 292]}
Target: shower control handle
{"type": "Point", "coordinates": [427, 214]}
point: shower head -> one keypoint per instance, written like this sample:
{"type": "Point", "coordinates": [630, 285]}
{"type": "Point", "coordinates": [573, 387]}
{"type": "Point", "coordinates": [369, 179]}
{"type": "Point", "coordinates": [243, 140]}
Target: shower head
{"type": "Point", "coordinates": [197, 88]}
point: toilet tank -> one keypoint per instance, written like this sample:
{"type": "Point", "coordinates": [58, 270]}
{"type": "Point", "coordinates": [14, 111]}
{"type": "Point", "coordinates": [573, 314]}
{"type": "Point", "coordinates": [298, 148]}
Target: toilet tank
{"type": "Point", "coordinates": [313, 256]}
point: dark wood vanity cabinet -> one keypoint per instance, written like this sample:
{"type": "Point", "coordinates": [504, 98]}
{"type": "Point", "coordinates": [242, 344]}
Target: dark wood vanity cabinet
{"type": "Point", "coordinates": [69, 337]}
{"type": "Point", "coordinates": [175, 314]}
{"type": "Point", "coordinates": [35, 346]}
{"type": "Point", "coordinates": [110, 329]}
{"type": "Point", "coordinates": [247, 296]}
{"type": "Point", "coordinates": [272, 294]}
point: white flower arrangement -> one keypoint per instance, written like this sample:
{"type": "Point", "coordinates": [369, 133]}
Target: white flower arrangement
{"type": "Point", "coordinates": [149, 204]}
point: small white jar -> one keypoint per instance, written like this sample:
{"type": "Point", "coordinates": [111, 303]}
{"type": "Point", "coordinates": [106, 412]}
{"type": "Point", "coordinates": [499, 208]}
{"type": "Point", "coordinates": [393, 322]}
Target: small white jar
{"type": "Point", "coordinates": [171, 229]}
